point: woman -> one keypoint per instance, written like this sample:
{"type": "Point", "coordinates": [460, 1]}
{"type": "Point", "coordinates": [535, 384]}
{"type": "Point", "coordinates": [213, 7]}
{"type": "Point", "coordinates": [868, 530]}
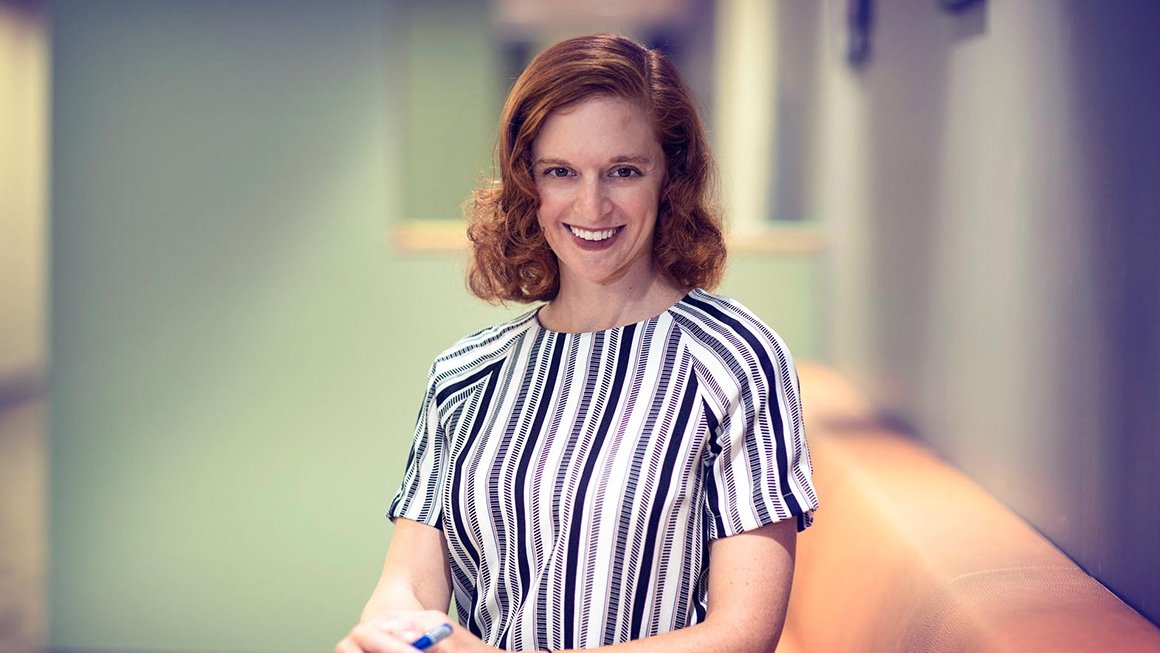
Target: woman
{"type": "Point", "coordinates": [576, 469]}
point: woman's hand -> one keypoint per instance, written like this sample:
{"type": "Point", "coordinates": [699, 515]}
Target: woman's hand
{"type": "Point", "coordinates": [393, 632]}
{"type": "Point", "coordinates": [412, 597]}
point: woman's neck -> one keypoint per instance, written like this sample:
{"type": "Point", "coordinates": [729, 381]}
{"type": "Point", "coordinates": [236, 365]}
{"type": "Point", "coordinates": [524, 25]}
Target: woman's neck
{"type": "Point", "coordinates": [582, 307]}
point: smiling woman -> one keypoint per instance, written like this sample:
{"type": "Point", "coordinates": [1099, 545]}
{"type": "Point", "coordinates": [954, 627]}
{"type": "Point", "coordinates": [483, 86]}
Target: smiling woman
{"type": "Point", "coordinates": [575, 469]}
{"type": "Point", "coordinates": [598, 170]}
{"type": "Point", "coordinates": [607, 122]}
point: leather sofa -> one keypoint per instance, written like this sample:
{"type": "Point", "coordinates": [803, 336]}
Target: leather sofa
{"type": "Point", "coordinates": [908, 554]}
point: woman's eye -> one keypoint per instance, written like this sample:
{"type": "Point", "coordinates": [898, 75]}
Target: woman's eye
{"type": "Point", "coordinates": [556, 172]}
{"type": "Point", "coordinates": [625, 171]}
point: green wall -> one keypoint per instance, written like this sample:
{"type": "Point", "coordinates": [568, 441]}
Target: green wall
{"type": "Point", "coordinates": [455, 90]}
{"type": "Point", "coordinates": [237, 351]}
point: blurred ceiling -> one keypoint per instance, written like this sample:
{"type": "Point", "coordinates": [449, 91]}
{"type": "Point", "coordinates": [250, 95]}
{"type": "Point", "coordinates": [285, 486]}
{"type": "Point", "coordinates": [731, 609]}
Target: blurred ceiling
{"type": "Point", "coordinates": [538, 16]}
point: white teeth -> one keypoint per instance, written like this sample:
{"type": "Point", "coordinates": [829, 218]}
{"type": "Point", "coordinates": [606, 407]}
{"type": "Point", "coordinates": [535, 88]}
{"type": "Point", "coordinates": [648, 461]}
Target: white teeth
{"type": "Point", "coordinates": [592, 235]}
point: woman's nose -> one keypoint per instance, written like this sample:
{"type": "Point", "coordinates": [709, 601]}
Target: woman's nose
{"type": "Point", "coordinates": [593, 202]}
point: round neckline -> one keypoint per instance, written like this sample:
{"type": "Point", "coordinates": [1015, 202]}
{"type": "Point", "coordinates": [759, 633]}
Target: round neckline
{"type": "Point", "coordinates": [540, 325]}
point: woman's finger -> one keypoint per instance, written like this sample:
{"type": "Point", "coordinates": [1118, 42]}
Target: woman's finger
{"type": "Point", "coordinates": [373, 637]}
{"type": "Point", "coordinates": [347, 645]}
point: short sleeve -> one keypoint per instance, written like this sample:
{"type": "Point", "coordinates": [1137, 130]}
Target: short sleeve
{"type": "Point", "coordinates": [420, 494]}
{"type": "Point", "coordinates": [760, 473]}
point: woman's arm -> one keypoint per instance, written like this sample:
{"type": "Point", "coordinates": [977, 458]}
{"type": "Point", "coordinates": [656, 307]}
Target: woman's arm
{"type": "Point", "coordinates": [415, 578]}
{"type": "Point", "coordinates": [415, 575]}
{"type": "Point", "coordinates": [749, 582]}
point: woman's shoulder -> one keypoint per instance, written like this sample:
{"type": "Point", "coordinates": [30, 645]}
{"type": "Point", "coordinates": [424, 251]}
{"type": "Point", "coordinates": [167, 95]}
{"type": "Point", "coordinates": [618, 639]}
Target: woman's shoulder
{"type": "Point", "coordinates": [718, 312]}
{"type": "Point", "coordinates": [480, 348]}
{"type": "Point", "coordinates": [722, 327]}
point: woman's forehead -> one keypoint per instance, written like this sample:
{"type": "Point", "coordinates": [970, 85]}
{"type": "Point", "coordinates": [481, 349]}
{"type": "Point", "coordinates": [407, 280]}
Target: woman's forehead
{"type": "Point", "coordinates": [599, 127]}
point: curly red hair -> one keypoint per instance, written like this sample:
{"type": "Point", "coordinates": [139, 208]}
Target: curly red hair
{"type": "Point", "coordinates": [511, 259]}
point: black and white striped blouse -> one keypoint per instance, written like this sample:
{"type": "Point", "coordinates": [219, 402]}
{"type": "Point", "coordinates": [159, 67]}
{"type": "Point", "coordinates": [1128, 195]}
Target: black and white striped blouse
{"type": "Point", "coordinates": [579, 477]}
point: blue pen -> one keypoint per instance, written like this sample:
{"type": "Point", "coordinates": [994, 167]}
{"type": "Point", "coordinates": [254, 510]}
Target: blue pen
{"type": "Point", "coordinates": [432, 637]}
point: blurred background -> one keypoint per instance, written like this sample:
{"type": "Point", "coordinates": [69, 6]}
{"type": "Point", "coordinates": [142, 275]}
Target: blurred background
{"type": "Point", "coordinates": [230, 248]}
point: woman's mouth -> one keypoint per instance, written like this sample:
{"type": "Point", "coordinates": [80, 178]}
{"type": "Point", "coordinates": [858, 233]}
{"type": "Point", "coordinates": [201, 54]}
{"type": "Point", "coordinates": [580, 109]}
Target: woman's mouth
{"type": "Point", "coordinates": [594, 235]}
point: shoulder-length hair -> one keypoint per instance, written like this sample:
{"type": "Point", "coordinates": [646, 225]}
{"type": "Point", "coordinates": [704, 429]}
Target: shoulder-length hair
{"type": "Point", "coordinates": [511, 259]}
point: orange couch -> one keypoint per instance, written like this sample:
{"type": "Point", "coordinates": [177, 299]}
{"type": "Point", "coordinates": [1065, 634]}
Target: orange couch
{"type": "Point", "coordinates": [907, 554]}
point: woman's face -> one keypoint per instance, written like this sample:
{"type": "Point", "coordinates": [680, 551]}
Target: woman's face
{"type": "Point", "coordinates": [599, 169]}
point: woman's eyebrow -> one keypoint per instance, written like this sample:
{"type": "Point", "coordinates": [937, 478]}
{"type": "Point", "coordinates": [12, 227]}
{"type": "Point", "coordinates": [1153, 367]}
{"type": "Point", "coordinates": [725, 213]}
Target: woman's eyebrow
{"type": "Point", "coordinates": [639, 159]}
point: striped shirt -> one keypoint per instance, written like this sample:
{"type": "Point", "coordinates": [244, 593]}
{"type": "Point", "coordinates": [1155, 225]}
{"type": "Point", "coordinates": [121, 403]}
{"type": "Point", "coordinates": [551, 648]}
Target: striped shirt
{"type": "Point", "coordinates": [579, 477]}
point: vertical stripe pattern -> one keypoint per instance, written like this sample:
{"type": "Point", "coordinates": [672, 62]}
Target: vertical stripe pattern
{"type": "Point", "coordinates": [580, 477]}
